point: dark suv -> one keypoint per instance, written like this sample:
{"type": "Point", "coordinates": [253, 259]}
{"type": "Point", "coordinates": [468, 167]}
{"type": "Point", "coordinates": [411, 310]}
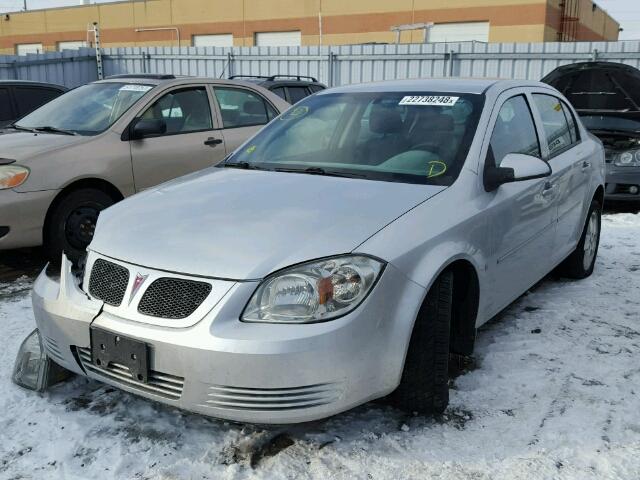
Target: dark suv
{"type": "Point", "coordinates": [606, 95]}
{"type": "Point", "coordinates": [19, 97]}
{"type": "Point", "coordinates": [291, 88]}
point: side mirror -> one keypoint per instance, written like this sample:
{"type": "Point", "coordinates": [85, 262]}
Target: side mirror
{"type": "Point", "coordinates": [515, 167]}
{"type": "Point", "coordinates": [148, 127]}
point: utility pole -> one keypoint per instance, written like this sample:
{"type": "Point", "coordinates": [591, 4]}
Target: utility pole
{"type": "Point", "coordinates": [25, 5]}
{"type": "Point", "coordinates": [95, 29]}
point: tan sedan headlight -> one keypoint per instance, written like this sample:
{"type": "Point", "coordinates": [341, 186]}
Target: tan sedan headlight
{"type": "Point", "coordinates": [315, 291]}
{"type": "Point", "coordinates": [12, 175]}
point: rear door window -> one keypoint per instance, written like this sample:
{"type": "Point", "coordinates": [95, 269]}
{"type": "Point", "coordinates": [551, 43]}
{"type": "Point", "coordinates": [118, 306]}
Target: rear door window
{"type": "Point", "coordinates": [554, 121]}
{"type": "Point", "coordinates": [6, 112]}
{"type": "Point", "coordinates": [573, 128]}
{"type": "Point", "coordinates": [30, 98]}
{"type": "Point", "coordinates": [298, 93]}
{"type": "Point", "coordinates": [514, 131]}
{"type": "Point", "coordinates": [280, 92]}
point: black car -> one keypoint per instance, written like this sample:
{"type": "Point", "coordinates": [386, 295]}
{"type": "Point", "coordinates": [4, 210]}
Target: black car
{"type": "Point", "coordinates": [606, 95]}
{"type": "Point", "coordinates": [291, 88]}
{"type": "Point", "coordinates": [19, 97]}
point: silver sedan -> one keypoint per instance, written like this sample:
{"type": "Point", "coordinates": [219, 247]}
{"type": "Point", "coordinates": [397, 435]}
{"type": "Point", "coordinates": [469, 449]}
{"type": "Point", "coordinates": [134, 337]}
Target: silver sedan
{"type": "Point", "coordinates": [340, 255]}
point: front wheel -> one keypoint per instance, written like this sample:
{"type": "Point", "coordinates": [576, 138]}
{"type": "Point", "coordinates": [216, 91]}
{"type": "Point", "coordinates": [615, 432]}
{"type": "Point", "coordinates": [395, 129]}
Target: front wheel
{"type": "Point", "coordinates": [424, 386]}
{"type": "Point", "coordinates": [72, 223]}
{"type": "Point", "coordinates": [581, 262]}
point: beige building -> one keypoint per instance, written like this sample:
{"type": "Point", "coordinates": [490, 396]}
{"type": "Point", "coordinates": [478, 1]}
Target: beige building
{"type": "Point", "coordinates": [303, 22]}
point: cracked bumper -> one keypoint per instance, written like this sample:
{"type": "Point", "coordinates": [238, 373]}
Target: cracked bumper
{"type": "Point", "coordinates": [221, 367]}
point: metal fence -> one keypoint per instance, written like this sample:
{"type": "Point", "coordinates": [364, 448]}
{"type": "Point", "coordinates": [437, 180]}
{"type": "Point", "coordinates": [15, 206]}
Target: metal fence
{"type": "Point", "coordinates": [70, 68]}
{"type": "Point", "coordinates": [336, 65]}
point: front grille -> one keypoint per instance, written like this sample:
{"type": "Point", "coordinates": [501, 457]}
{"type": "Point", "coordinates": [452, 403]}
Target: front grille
{"type": "Point", "coordinates": [273, 399]}
{"type": "Point", "coordinates": [108, 282]}
{"type": "Point", "coordinates": [162, 384]}
{"type": "Point", "coordinates": [173, 298]}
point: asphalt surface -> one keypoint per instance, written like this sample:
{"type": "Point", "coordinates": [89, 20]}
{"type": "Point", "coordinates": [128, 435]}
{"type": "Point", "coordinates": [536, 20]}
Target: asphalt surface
{"type": "Point", "coordinates": [15, 264]}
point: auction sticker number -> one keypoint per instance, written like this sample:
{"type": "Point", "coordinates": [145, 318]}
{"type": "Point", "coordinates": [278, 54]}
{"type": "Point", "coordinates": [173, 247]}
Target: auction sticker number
{"type": "Point", "coordinates": [433, 100]}
{"type": "Point", "coordinates": [135, 88]}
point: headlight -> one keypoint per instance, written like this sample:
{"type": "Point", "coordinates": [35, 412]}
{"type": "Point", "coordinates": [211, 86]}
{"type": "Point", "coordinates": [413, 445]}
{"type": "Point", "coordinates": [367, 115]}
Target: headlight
{"type": "Point", "coordinates": [315, 291]}
{"type": "Point", "coordinates": [630, 158]}
{"type": "Point", "coordinates": [12, 175]}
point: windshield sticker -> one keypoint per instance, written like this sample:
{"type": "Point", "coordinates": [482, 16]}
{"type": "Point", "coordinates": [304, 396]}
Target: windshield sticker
{"type": "Point", "coordinates": [436, 168]}
{"type": "Point", "coordinates": [432, 100]}
{"type": "Point", "coordinates": [135, 88]}
{"type": "Point", "coordinates": [250, 149]}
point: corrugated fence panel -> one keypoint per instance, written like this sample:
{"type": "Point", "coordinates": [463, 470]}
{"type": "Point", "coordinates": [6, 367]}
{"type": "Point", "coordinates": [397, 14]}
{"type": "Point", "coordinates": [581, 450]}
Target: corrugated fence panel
{"type": "Point", "coordinates": [335, 65]}
{"type": "Point", "coordinates": [70, 67]}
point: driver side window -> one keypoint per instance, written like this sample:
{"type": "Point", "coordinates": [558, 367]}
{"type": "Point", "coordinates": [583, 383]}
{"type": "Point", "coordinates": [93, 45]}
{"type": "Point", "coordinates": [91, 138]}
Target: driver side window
{"type": "Point", "coordinates": [184, 111]}
{"type": "Point", "coordinates": [514, 131]}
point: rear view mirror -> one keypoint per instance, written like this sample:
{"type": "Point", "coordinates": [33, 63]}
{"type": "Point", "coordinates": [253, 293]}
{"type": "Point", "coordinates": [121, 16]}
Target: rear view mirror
{"type": "Point", "coordinates": [148, 127]}
{"type": "Point", "coordinates": [515, 167]}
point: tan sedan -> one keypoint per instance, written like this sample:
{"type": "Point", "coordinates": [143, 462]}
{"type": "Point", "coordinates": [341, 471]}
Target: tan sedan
{"type": "Point", "coordinates": [95, 145]}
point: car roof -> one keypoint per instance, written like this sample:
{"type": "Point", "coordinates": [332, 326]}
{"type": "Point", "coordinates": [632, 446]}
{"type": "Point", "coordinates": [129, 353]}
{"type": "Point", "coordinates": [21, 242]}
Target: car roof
{"type": "Point", "coordinates": [32, 83]}
{"type": "Point", "coordinates": [445, 84]}
{"type": "Point", "coordinates": [579, 66]}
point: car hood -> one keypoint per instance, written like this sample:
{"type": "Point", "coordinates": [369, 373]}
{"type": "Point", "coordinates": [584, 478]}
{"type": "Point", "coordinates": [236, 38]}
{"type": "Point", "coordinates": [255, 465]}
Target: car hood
{"type": "Point", "coordinates": [244, 224]}
{"type": "Point", "coordinates": [22, 146]}
{"type": "Point", "coordinates": [602, 88]}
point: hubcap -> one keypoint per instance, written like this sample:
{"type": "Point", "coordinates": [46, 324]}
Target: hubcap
{"type": "Point", "coordinates": [591, 240]}
{"type": "Point", "coordinates": [80, 226]}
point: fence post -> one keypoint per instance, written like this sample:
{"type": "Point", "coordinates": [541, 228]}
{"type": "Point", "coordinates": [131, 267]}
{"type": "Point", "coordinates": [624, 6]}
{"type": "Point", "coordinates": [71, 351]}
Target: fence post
{"type": "Point", "coordinates": [450, 66]}
{"type": "Point", "coordinates": [230, 64]}
{"type": "Point", "coordinates": [330, 67]}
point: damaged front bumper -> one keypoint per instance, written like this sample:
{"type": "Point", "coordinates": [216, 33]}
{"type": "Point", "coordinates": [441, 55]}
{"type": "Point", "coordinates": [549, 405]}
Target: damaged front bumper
{"type": "Point", "coordinates": [222, 367]}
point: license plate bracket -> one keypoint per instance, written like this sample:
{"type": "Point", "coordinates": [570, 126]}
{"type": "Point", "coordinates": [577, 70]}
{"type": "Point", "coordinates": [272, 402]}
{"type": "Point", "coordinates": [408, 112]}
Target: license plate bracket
{"type": "Point", "coordinates": [108, 347]}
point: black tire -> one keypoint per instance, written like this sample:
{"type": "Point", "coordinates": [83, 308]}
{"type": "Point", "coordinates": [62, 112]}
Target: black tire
{"type": "Point", "coordinates": [578, 265]}
{"type": "Point", "coordinates": [71, 224]}
{"type": "Point", "coordinates": [424, 387]}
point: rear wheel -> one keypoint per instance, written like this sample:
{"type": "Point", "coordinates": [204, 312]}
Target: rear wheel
{"type": "Point", "coordinates": [581, 262]}
{"type": "Point", "coordinates": [424, 386]}
{"type": "Point", "coordinates": [72, 223]}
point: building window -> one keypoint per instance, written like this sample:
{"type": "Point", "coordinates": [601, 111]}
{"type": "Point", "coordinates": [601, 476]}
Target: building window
{"type": "Point", "coordinates": [459, 32]}
{"type": "Point", "coordinates": [71, 45]}
{"type": "Point", "coordinates": [277, 39]}
{"type": "Point", "coordinates": [25, 48]}
{"type": "Point", "coordinates": [217, 40]}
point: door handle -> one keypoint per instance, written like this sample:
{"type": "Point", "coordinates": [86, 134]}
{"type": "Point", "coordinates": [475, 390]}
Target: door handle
{"type": "Point", "coordinates": [585, 165]}
{"type": "Point", "coordinates": [212, 142]}
{"type": "Point", "coordinates": [548, 189]}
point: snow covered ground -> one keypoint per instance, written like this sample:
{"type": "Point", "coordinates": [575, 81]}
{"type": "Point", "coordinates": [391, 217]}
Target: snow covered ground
{"type": "Point", "coordinates": [554, 393]}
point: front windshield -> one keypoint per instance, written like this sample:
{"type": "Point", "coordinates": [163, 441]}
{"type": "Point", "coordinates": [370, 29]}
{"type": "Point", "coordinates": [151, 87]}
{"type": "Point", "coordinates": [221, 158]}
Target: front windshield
{"type": "Point", "coordinates": [612, 123]}
{"type": "Point", "coordinates": [412, 137]}
{"type": "Point", "coordinates": [86, 110]}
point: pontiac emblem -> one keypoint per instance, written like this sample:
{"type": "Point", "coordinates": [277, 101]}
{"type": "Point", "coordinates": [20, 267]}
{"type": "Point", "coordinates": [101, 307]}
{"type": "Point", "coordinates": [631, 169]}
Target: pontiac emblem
{"type": "Point", "coordinates": [137, 283]}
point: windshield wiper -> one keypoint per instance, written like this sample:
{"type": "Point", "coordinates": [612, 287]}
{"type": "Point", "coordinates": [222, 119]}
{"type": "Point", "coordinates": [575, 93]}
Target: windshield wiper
{"type": "Point", "coordinates": [23, 129]}
{"type": "Point", "coordinates": [50, 129]}
{"type": "Point", "coordinates": [242, 165]}
{"type": "Point", "coordinates": [319, 171]}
